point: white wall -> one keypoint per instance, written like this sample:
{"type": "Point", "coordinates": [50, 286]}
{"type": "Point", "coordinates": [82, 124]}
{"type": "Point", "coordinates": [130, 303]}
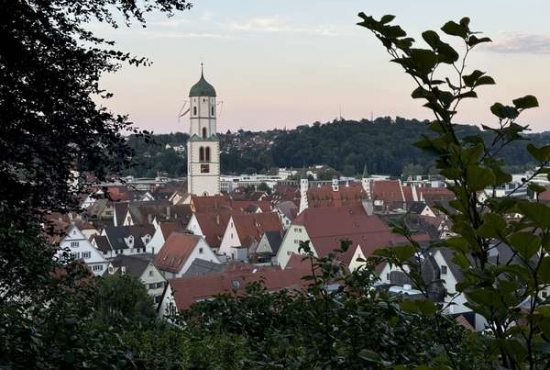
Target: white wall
{"type": "Point", "coordinates": [203, 251]}
{"type": "Point", "coordinates": [194, 226]}
{"type": "Point", "coordinates": [354, 264]}
{"type": "Point", "coordinates": [167, 301]}
{"type": "Point", "coordinates": [154, 281]}
{"type": "Point", "coordinates": [450, 283]}
{"type": "Point", "coordinates": [77, 244]}
{"type": "Point", "coordinates": [291, 244]}
{"type": "Point", "coordinates": [156, 242]}
{"type": "Point", "coordinates": [230, 239]}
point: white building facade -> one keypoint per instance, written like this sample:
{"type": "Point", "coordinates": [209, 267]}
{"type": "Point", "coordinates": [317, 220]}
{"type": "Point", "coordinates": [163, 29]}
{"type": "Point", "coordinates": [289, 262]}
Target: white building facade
{"type": "Point", "coordinates": [203, 147]}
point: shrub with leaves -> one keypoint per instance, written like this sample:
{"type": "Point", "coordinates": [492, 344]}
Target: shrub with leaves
{"type": "Point", "coordinates": [507, 292]}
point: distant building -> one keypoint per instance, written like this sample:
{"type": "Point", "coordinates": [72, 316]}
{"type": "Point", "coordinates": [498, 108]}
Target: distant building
{"type": "Point", "coordinates": [178, 253]}
{"type": "Point", "coordinates": [140, 267]}
{"type": "Point", "coordinates": [203, 147]}
{"type": "Point", "coordinates": [75, 245]}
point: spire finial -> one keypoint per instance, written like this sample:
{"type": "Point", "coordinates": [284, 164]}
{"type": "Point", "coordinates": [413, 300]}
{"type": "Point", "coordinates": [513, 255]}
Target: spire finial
{"type": "Point", "coordinates": [202, 68]}
{"type": "Point", "coordinates": [365, 172]}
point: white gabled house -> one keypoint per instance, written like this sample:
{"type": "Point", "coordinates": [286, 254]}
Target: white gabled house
{"type": "Point", "coordinates": [75, 245]}
{"type": "Point", "coordinates": [178, 253]}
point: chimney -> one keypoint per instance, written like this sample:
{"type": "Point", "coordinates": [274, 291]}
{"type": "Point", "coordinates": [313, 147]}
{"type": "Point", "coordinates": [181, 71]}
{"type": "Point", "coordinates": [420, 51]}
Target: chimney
{"type": "Point", "coordinates": [123, 270]}
{"type": "Point", "coordinates": [168, 212]}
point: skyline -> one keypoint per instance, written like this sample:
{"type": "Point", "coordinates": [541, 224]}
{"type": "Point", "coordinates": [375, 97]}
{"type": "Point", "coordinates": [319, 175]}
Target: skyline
{"type": "Point", "coordinates": [284, 64]}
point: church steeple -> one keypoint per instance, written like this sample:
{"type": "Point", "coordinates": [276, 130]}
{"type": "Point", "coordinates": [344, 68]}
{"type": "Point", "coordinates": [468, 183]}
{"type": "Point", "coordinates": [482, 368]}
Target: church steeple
{"type": "Point", "coordinates": [203, 147]}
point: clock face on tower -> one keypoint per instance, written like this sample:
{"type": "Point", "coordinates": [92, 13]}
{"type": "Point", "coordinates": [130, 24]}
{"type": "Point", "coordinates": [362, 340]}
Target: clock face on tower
{"type": "Point", "coordinates": [203, 147]}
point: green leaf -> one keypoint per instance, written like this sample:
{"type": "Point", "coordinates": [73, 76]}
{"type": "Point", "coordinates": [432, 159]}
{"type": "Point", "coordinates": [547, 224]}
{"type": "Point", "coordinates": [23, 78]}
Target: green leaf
{"type": "Point", "coordinates": [526, 244]}
{"type": "Point", "coordinates": [470, 80]}
{"type": "Point", "coordinates": [409, 306]}
{"type": "Point", "coordinates": [480, 178]}
{"type": "Point", "coordinates": [544, 270]}
{"type": "Point", "coordinates": [540, 154]}
{"type": "Point", "coordinates": [503, 112]}
{"type": "Point", "coordinates": [367, 354]}
{"type": "Point", "coordinates": [536, 188]}
{"type": "Point", "coordinates": [424, 58]}
{"type": "Point", "coordinates": [473, 40]}
{"type": "Point", "coordinates": [387, 18]}
{"type": "Point", "coordinates": [493, 226]}
{"type": "Point", "coordinates": [538, 213]}
{"type": "Point", "coordinates": [427, 307]}
{"type": "Point", "coordinates": [455, 29]}
{"type": "Point", "coordinates": [403, 252]}
{"type": "Point", "coordinates": [431, 38]}
{"type": "Point", "coordinates": [485, 80]}
{"type": "Point", "coordinates": [528, 101]}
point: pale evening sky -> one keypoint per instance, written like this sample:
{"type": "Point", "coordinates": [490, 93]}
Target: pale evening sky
{"type": "Point", "coordinates": [287, 63]}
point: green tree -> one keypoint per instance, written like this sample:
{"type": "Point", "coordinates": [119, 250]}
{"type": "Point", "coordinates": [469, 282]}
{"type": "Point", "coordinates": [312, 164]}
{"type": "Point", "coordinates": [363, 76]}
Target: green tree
{"type": "Point", "coordinates": [412, 170]}
{"type": "Point", "coordinates": [507, 291]}
{"type": "Point", "coordinates": [122, 298]}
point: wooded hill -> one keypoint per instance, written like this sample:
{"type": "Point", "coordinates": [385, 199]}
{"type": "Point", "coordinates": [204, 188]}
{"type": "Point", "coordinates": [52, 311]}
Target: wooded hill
{"type": "Point", "coordinates": [385, 145]}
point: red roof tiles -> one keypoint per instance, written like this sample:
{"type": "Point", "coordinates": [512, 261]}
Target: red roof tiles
{"type": "Point", "coordinates": [175, 251]}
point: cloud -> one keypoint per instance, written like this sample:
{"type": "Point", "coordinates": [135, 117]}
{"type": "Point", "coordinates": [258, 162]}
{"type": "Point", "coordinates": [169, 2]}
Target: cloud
{"type": "Point", "coordinates": [181, 35]}
{"type": "Point", "coordinates": [516, 43]}
{"type": "Point", "coordinates": [277, 24]}
{"type": "Point", "coordinates": [261, 24]}
{"type": "Point", "coordinates": [169, 23]}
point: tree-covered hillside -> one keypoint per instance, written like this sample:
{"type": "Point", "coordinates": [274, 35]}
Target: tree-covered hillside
{"type": "Point", "coordinates": [385, 145]}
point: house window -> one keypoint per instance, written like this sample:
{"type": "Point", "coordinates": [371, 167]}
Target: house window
{"type": "Point", "coordinates": [288, 253]}
{"type": "Point", "coordinates": [74, 244]}
{"type": "Point", "coordinates": [201, 154]}
{"type": "Point", "coordinates": [544, 294]}
{"type": "Point", "coordinates": [205, 168]}
{"type": "Point", "coordinates": [152, 286]}
{"type": "Point", "coordinates": [194, 111]}
{"type": "Point", "coordinates": [160, 285]}
{"type": "Point", "coordinates": [86, 255]}
{"type": "Point", "coordinates": [201, 250]}
{"type": "Point", "coordinates": [207, 154]}
{"type": "Point", "coordinates": [443, 270]}
{"type": "Point", "coordinates": [151, 273]}
{"type": "Point", "coordinates": [388, 276]}
{"type": "Point", "coordinates": [204, 132]}
{"type": "Point", "coordinates": [97, 267]}
{"type": "Point", "coordinates": [158, 299]}
{"type": "Point", "coordinates": [75, 256]}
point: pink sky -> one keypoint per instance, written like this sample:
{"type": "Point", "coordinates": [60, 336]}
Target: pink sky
{"type": "Point", "coordinates": [287, 63]}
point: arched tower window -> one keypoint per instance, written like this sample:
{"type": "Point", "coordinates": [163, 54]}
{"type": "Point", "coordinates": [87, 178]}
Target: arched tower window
{"type": "Point", "coordinates": [212, 110]}
{"type": "Point", "coordinates": [204, 132]}
{"type": "Point", "coordinates": [194, 111]}
{"type": "Point", "coordinates": [207, 154]}
{"type": "Point", "coordinates": [201, 154]}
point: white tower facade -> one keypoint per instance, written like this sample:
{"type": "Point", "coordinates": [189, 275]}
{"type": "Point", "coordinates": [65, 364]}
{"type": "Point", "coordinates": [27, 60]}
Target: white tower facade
{"type": "Point", "coordinates": [203, 147]}
{"type": "Point", "coordinates": [304, 186]}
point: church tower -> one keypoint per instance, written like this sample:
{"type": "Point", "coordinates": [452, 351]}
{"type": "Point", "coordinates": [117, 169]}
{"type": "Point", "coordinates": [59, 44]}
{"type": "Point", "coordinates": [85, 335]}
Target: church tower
{"type": "Point", "coordinates": [304, 186]}
{"type": "Point", "coordinates": [203, 147]}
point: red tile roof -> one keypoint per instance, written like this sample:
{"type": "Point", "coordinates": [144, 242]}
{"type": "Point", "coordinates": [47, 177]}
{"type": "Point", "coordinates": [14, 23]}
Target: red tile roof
{"type": "Point", "coordinates": [325, 196]}
{"type": "Point", "coordinates": [252, 226]}
{"type": "Point", "coordinates": [187, 291]}
{"type": "Point", "coordinates": [214, 203]}
{"type": "Point", "coordinates": [175, 251]}
{"type": "Point", "coordinates": [326, 227]}
{"type": "Point", "coordinates": [388, 190]}
{"type": "Point", "coordinates": [168, 228]}
{"type": "Point", "coordinates": [213, 226]}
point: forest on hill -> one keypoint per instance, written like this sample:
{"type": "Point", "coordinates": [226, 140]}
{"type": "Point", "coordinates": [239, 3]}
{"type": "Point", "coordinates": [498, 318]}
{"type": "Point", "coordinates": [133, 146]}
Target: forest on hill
{"type": "Point", "coordinates": [385, 146]}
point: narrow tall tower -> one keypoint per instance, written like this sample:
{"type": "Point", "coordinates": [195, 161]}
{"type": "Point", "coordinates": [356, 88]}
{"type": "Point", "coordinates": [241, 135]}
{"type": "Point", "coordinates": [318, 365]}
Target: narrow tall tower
{"type": "Point", "coordinates": [304, 186]}
{"type": "Point", "coordinates": [365, 182]}
{"type": "Point", "coordinates": [203, 147]}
